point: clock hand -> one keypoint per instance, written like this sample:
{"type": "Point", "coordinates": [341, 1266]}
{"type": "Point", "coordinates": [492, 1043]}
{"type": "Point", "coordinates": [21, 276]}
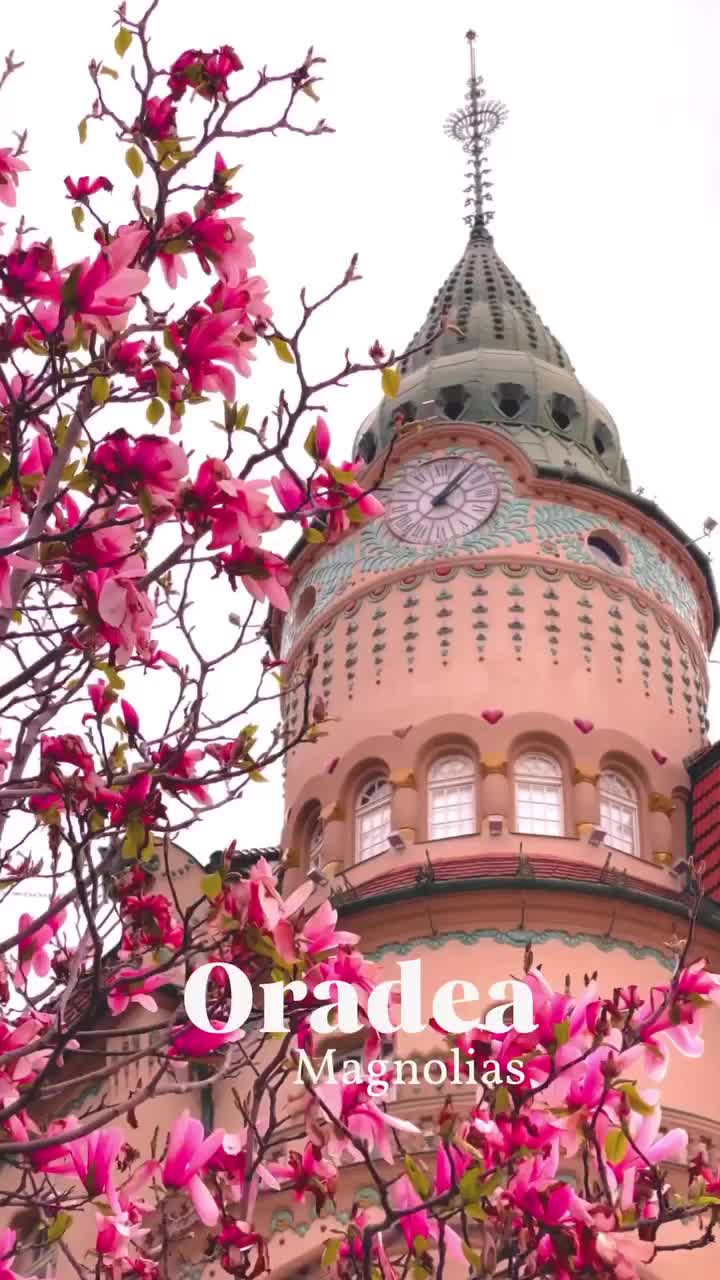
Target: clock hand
{"type": "Point", "coordinates": [439, 498]}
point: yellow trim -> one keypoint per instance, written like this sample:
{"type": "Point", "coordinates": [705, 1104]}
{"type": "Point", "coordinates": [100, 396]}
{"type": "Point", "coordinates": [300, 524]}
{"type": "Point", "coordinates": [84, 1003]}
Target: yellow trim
{"type": "Point", "coordinates": [661, 804]}
{"type": "Point", "coordinates": [494, 762]}
{"type": "Point", "coordinates": [586, 773]}
{"type": "Point", "coordinates": [403, 778]}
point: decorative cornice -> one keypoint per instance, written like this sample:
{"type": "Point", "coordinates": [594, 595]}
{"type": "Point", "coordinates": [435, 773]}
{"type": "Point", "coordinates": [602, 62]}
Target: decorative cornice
{"type": "Point", "coordinates": [583, 829]}
{"type": "Point", "coordinates": [586, 773]}
{"type": "Point", "coordinates": [661, 804]}
{"type": "Point", "coordinates": [522, 938]}
{"type": "Point", "coordinates": [493, 762]}
{"type": "Point", "coordinates": [332, 812]}
{"type": "Point", "coordinates": [403, 778]}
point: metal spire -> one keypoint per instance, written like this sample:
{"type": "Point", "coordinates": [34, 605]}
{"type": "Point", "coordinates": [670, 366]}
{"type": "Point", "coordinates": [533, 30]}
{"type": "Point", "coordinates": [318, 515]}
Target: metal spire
{"type": "Point", "coordinates": [473, 125]}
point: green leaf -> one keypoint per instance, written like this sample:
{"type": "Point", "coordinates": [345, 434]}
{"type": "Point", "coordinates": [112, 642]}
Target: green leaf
{"type": "Point", "coordinates": [562, 1032]}
{"type": "Point", "coordinates": [212, 884]}
{"type": "Point", "coordinates": [616, 1145]}
{"type": "Point", "coordinates": [37, 347]}
{"type": "Point", "coordinates": [169, 342]}
{"type": "Point", "coordinates": [59, 1225]}
{"type": "Point", "coordinates": [134, 161]}
{"type": "Point", "coordinates": [418, 1177]}
{"type": "Point", "coordinates": [61, 429]}
{"type": "Point", "coordinates": [122, 42]}
{"type": "Point", "coordinates": [241, 417]}
{"type": "Point", "coordinates": [115, 680]}
{"type": "Point", "coordinates": [330, 1252]}
{"type": "Point", "coordinates": [474, 1258]}
{"type": "Point", "coordinates": [342, 477]}
{"type": "Point", "coordinates": [475, 1184]}
{"type": "Point", "coordinates": [82, 130]}
{"type": "Point", "coordinates": [635, 1099]}
{"type": "Point", "coordinates": [282, 350]}
{"type": "Point", "coordinates": [163, 378]}
{"type": "Point", "coordinates": [100, 389]}
{"type": "Point", "coordinates": [78, 217]}
{"type": "Point", "coordinates": [109, 71]}
{"type": "Point", "coordinates": [145, 502]}
{"type": "Point", "coordinates": [391, 382]}
{"type": "Point", "coordinates": [136, 838]}
{"type": "Point", "coordinates": [314, 535]}
{"type": "Point", "coordinates": [502, 1101]}
{"type": "Point", "coordinates": [154, 412]}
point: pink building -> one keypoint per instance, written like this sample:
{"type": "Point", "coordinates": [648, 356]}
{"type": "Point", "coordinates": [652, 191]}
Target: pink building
{"type": "Point", "coordinates": [514, 663]}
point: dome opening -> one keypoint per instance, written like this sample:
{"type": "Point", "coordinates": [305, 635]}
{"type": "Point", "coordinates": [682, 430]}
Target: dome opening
{"type": "Point", "coordinates": [608, 546]}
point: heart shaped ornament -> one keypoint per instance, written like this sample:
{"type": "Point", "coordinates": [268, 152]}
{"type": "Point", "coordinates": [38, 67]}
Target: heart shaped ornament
{"type": "Point", "coordinates": [492, 715]}
{"type": "Point", "coordinates": [585, 726]}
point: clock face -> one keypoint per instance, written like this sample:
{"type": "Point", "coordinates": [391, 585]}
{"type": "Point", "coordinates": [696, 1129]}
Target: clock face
{"type": "Point", "coordinates": [442, 500]}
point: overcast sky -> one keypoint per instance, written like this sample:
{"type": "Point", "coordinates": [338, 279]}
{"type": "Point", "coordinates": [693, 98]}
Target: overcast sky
{"type": "Point", "coordinates": [607, 188]}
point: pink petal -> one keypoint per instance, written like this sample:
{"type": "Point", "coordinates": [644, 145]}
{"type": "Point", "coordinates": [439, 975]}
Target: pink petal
{"type": "Point", "coordinates": [112, 604]}
{"type": "Point", "coordinates": [205, 1205]}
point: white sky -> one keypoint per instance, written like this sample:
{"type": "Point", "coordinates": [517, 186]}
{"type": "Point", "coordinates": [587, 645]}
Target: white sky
{"type": "Point", "coordinates": [607, 193]}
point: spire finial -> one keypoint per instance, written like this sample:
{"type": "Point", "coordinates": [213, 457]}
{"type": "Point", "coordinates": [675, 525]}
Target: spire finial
{"type": "Point", "coordinates": [473, 125]}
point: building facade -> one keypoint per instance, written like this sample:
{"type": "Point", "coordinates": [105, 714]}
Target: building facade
{"type": "Point", "coordinates": [514, 665]}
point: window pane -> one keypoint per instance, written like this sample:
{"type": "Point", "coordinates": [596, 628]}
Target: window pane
{"type": "Point", "coordinates": [538, 796]}
{"type": "Point", "coordinates": [451, 797]}
{"type": "Point", "coordinates": [619, 812]}
{"type": "Point", "coordinates": [372, 822]}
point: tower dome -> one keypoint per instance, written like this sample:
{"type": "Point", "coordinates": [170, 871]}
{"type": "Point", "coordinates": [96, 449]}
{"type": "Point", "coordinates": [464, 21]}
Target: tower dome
{"type": "Point", "coordinates": [483, 353]}
{"type": "Point", "coordinates": [512, 668]}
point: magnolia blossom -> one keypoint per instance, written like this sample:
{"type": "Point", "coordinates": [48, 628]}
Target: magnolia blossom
{"type": "Point", "coordinates": [263, 573]}
{"type": "Point", "coordinates": [101, 294]}
{"type": "Point", "coordinates": [12, 527]}
{"type": "Point", "coordinates": [146, 464]}
{"type": "Point", "coordinates": [84, 187]}
{"type": "Point", "coordinates": [134, 986]}
{"type": "Point", "coordinates": [34, 953]}
{"type": "Point", "coordinates": [205, 73]}
{"type": "Point", "coordinates": [10, 166]}
{"type": "Point", "coordinates": [188, 1153]}
{"type": "Point", "coordinates": [6, 756]}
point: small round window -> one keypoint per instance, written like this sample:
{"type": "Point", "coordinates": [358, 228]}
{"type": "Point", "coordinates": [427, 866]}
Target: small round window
{"type": "Point", "coordinates": [607, 546]}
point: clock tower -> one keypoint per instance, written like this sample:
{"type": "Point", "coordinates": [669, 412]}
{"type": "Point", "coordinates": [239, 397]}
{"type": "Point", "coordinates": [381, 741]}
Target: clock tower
{"type": "Point", "coordinates": [513, 661]}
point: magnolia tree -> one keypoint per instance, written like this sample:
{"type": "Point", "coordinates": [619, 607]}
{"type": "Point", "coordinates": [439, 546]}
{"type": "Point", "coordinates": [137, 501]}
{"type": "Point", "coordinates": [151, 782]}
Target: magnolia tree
{"type": "Point", "coordinates": [115, 515]}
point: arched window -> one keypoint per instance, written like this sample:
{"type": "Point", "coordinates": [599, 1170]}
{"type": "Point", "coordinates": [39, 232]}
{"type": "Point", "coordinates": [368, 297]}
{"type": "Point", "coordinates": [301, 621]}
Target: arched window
{"type": "Point", "coordinates": [619, 812]}
{"type": "Point", "coordinates": [539, 795]}
{"type": "Point", "coordinates": [315, 841]}
{"type": "Point", "coordinates": [372, 818]}
{"type": "Point", "coordinates": [451, 797]}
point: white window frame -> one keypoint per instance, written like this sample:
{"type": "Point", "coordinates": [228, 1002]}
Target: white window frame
{"type": "Point", "coordinates": [451, 787]}
{"type": "Point", "coordinates": [373, 817]}
{"type": "Point", "coordinates": [619, 812]}
{"type": "Point", "coordinates": [316, 838]}
{"type": "Point", "coordinates": [539, 795]}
